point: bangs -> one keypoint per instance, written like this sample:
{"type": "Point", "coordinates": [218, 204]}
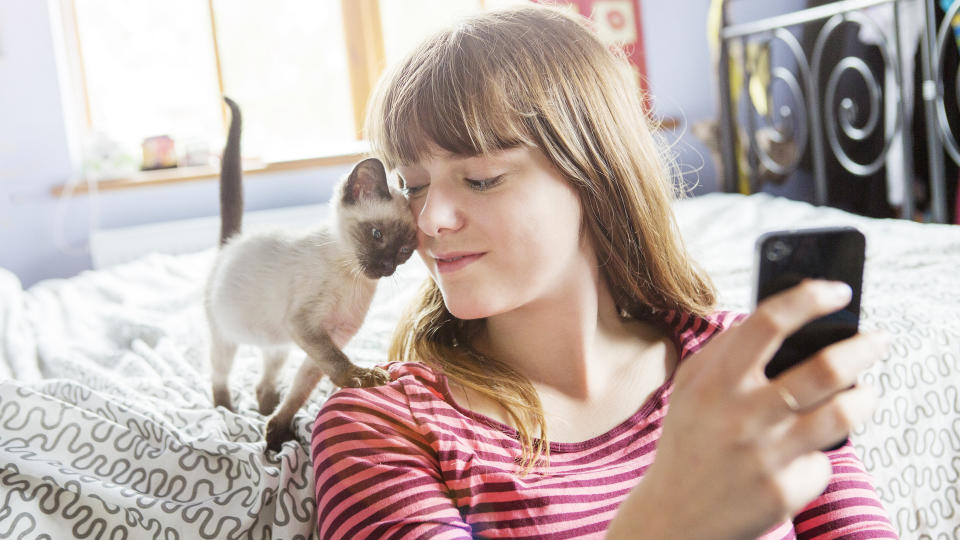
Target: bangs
{"type": "Point", "coordinates": [448, 95]}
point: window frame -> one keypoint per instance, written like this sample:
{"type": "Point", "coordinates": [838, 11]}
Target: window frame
{"type": "Point", "coordinates": [366, 60]}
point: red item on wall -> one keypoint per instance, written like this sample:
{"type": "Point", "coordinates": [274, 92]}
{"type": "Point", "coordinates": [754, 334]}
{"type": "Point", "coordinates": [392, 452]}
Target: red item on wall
{"type": "Point", "coordinates": [956, 211]}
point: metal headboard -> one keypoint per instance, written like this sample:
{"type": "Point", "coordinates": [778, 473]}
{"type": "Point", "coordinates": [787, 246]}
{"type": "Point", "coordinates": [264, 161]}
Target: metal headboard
{"type": "Point", "coordinates": [816, 123]}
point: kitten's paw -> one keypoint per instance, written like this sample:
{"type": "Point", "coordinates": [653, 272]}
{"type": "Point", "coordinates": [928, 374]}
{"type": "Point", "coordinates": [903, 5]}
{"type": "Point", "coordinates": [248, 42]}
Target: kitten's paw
{"type": "Point", "coordinates": [278, 432]}
{"type": "Point", "coordinates": [221, 398]}
{"type": "Point", "coordinates": [267, 400]}
{"type": "Point", "coordinates": [359, 377]}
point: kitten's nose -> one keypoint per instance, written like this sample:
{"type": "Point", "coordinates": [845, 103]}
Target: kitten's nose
{"type": "Point", "coordinates": [387, 268]}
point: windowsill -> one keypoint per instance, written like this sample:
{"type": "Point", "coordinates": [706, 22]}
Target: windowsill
{"type": "Point", "coordinates": [206, 172]}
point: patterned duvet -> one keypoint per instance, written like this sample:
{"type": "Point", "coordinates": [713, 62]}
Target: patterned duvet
{"type": "Point", "coordinates": [107, 428]}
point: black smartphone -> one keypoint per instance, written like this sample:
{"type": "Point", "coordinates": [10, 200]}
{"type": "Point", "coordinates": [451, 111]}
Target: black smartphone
{"type": "Point", "coordinates": [784, 258]}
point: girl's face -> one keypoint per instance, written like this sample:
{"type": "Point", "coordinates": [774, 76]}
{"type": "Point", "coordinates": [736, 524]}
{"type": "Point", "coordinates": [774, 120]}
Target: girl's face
{"type": "Point", "coordinates": [497, 231]}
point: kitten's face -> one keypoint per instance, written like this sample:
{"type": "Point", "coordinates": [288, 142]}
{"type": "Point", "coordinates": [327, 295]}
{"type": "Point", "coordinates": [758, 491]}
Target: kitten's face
{"type": "Point", "coordinates": [376, 220]}
{"type": "Point", "coordinates": [383, 244]}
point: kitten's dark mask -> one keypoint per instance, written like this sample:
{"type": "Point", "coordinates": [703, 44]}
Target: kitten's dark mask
{"type": "Point", "coordinates": [385, 243]}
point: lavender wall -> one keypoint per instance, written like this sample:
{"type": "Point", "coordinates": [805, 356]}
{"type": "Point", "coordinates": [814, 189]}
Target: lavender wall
{"type": "Point", "coordinates": [43, 237]}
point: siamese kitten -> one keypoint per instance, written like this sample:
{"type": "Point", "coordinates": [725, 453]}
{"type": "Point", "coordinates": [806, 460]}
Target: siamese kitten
{"type": "Point", "coordinates": [311, 289]}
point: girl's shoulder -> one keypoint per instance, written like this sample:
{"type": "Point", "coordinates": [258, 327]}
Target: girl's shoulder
{"type": "Point", "coordinates": [398, 408]}
{"type": "Point", "coordinates": [415, 377]}
{"type": "Point", "coordinates": [691, 332]}
{"type": "Point", "coordinates": [410, 383]}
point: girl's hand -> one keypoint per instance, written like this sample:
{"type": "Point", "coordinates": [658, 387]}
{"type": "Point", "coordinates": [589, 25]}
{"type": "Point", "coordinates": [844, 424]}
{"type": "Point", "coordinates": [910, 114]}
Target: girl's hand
{"type": "Point", "coordinates": [740, 453]}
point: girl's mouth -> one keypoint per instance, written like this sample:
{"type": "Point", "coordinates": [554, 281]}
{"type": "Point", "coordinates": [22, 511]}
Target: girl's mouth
{"type": "Point", "coordinates": [453, 262]}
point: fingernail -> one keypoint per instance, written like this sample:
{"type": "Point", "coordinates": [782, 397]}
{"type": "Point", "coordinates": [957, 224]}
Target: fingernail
{"type": "Point", "coordinates": [841, 291]}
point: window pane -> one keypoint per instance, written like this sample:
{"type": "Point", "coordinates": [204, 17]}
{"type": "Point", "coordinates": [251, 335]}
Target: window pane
{"type": "Point", "coordinates": [149, 69]}
{"type": "Point", "coordinates": [285, 63]}
{"type": "Point", "coordinates": [407, 22]}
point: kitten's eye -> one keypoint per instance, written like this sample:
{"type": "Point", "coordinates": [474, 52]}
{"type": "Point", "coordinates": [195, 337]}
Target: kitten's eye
{"type": "Point", "coordinates": [405, 250]}
{"type": "Point", "coordinates": [483, 185]}
{"type": "Point", "coordinates": [376, 233]}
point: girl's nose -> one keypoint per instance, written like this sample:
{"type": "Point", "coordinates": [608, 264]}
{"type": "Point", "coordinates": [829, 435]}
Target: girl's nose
{"type": "Point", "coordinates": [438, 212]}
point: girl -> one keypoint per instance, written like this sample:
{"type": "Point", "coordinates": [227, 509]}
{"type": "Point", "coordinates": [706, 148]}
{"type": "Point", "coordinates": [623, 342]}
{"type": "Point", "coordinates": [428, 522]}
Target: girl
{"type": "Point", "coordinates": [563, 319]}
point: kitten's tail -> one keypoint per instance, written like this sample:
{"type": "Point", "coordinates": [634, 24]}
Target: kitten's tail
{"type": "Point", "coordinates": [231, 179]}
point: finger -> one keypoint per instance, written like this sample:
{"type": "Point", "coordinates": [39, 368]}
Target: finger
{"type": "Point", "coordinates": [829, 423]}
{"type": "Point", "coordinates": [833, 368]}
{"type": "Point", "coordinates": [803, 479]}
{"type": "Point", "coordinates": [782, 314]}
{"type": "Point", "coordinates": [806, 385]}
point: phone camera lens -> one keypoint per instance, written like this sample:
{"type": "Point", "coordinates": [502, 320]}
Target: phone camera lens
{"type": "Point", "coordinates": [778, 250]}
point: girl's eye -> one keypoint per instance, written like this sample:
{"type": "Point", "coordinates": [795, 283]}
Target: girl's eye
{"type": "Point", "coordinates": [408, 190]}
{"type": "Point", "coordinates": [413, 191]}
{"type": "Point", "coordinates": [483, 185]}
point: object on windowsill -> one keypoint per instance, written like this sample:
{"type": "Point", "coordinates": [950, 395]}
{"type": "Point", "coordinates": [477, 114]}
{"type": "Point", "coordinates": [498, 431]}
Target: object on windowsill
{"type": "Point", "coordinates": [196, 153]}
{"type": "Point", "coordinates": [158, 153]}
{"type": "Point", "coordinates": [105, 158]}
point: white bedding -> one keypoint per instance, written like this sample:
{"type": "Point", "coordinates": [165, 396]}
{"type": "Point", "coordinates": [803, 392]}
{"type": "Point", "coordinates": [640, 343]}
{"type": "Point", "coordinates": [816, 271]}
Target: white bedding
{"type": "Point", "coordinates": [107, 430]}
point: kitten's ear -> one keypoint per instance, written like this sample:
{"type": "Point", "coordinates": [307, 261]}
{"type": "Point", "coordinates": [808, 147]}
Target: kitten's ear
{"type": "Point", "coordinates": [367, 180]}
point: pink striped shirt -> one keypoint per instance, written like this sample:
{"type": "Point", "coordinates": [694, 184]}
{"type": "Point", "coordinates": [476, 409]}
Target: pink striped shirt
{"type": "Point", "coordinates": [404, 460]}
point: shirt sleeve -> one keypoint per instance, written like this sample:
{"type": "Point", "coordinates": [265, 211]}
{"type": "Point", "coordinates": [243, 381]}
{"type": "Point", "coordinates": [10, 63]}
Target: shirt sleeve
{"type": "Point", "coordinates": [377, 475]}
{"type": "Point", "coordinates": [849, 508]}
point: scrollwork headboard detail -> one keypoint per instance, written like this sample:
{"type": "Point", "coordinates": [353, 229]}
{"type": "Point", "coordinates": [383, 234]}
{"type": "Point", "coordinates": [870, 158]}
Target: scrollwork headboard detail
{"type": "Point", "coordinates": [781, 103]}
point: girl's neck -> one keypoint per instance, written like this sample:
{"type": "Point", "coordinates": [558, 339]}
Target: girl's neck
{"type": "Point", "coordinates": [574, 344]}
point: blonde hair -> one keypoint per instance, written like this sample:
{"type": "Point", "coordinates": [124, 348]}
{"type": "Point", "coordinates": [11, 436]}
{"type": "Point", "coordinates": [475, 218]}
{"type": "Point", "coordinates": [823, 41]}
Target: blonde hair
{"type": "Point", "coordinates": [539, 77]}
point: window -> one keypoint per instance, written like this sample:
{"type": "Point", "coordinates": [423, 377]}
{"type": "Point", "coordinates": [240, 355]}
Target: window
{"type": "Point", "coordinates": [300, 69]}
{"type": "Point", "coordinates": [285, 61]}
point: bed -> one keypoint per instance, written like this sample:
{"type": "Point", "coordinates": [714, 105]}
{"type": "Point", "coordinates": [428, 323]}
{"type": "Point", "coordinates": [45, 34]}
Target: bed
{"type": "Point", "coordinates": [107, 429]}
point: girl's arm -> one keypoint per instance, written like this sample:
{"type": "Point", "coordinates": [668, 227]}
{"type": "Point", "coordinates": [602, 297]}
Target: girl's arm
{"type": "Point", "coordinates": [376, 476]}
{"type": "Point", "coordinates": [736, 456]}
